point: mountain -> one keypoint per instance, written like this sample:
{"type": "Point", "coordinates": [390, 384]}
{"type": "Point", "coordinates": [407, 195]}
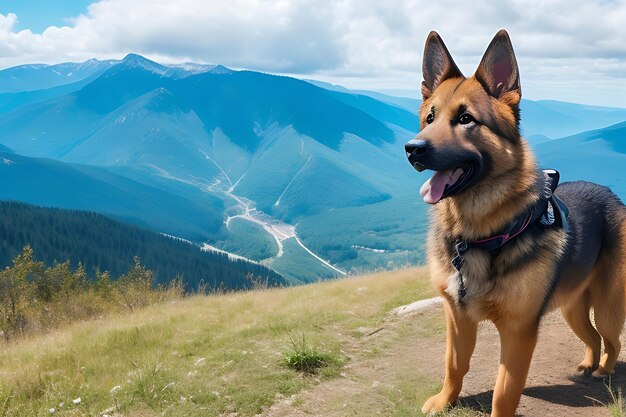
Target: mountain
{"type": "Point", "coordinates": [41, 76]}
{"type": "Point", "coordinates": [265, 151]}
{"type": "Point", "coordinates": [30, 84]}
{"type": "Point", "coordinates": [52, 183]}
{"type": "Point", "coordinates": [32, 77]}
{"type": "Point", "coordinates": [407, 103]}
{"type": "Point", "coordinates": [307, 178]}
{"type": "Point", "coordinates": [13, 101]}
{"type": "Point", "coordinates": [99, 242]}
{"type": "Point", "coordinates": [598, 156]}
{"type": "Point", "coordinates": [540, 120]}
{"type": "Point", "coordinates": [557, 119]}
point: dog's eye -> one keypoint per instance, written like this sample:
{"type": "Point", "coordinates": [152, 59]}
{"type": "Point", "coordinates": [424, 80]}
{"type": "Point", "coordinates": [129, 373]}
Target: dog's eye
{"type": "Point", "coordinates": [466, 119]}
{"type": "Point", "coordinates": [430, 118]}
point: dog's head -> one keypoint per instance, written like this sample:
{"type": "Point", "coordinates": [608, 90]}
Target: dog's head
{"type": "Point", "coordinates": [469, 126]}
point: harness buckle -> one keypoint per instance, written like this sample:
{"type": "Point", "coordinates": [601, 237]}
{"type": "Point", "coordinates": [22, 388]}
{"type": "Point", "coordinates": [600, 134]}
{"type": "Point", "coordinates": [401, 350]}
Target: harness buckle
{"type": "Point", "coordinates": [460, 247]}
{"type": "Point", "coordinates": [548, 217]}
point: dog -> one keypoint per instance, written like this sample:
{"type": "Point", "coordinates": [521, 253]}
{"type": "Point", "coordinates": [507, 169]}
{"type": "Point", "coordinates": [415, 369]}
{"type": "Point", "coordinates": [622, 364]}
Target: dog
{"type": "Point", "coordinates": [503, 244]}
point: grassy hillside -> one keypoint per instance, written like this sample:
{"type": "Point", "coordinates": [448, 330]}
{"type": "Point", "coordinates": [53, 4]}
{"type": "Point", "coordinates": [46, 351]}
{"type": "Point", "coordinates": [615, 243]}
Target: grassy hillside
{"type": "Point", "coordinates": [199, 356]}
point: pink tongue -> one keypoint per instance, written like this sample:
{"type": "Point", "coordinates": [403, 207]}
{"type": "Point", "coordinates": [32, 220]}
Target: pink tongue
{"type": "Point", "coordinates": [433, 189]}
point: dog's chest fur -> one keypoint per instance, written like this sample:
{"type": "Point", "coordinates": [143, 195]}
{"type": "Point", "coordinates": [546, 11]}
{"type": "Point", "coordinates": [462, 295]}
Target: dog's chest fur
{"type": "Point", "coordinates": [494, 283]}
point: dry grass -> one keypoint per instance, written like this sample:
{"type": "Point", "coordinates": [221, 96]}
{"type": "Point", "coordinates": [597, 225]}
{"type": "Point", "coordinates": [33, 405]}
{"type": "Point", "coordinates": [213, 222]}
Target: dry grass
{"type": "Point", "coordinates": [199, 356]}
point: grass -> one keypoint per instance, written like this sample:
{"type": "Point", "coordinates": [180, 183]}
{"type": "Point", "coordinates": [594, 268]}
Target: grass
{"type": "Point", "coordinates": [308, 359]}
{"type": "Point", "coordinates": [617, 407]}
{"type": "Point", "coordinates": [198, 356]}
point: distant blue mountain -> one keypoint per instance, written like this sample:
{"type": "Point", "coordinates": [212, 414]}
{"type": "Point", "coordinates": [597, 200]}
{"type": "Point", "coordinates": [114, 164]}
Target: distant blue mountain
{"type": "Point", "coordinates": [12, 101]}
{"type": "Point", "coordinates": [291, 149]}
{"type": "Point", "coordinates": [598, 156]}
{"type": "Point", "coordinates": [410, 104]}
{"type": "Point", "coordinates": [29, 84]}
{"type": "Point", "coordinates": [221, 156]}
{"type": "Point", "coordinates": [540, 120]}
{"type": "Point", "coordinates": [236, 102]}
{"type": "Point", "coordinates": [141, 114]}
{"type": "Point", "coordinates": [41, 76]}
{"type": "Point", "coordinates": [556, 119]}
{"type": "Point", "coordinates": [51, 183]}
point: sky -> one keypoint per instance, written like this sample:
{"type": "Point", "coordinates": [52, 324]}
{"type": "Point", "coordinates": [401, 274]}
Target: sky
{"type": "Point", "coordinates": [570, 50]}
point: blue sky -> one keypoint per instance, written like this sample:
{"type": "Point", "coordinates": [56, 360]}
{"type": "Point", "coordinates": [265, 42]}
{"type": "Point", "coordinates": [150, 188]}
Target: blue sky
{"type": "Point", "coordinates": [571, 50]}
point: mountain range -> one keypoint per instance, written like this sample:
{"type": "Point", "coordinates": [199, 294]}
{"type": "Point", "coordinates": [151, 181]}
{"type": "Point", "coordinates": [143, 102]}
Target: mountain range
{"type": "Point", "coordinates": [308, 178]}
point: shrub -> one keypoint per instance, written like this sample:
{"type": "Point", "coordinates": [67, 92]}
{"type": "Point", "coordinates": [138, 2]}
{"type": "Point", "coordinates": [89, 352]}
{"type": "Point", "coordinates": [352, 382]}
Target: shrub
{"type": "Point", "coordinates": [304, 358]}
{"type": "Point", "coordinates": [35, 298]}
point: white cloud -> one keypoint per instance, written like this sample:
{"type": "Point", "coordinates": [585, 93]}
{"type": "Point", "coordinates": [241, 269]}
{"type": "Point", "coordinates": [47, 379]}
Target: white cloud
{"type": "Point", "coordinates": [563, 46]}
{"type": "Point", "coordinates": [277, 35]}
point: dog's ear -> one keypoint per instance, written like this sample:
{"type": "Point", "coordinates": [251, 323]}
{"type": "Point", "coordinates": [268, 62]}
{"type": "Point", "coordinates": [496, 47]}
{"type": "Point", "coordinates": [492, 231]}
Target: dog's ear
{"type": "Point", "coordinates": [498, 72]}
{"type": "Point", "coordinates": [437, 65]}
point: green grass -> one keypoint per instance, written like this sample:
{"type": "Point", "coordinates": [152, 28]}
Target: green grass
{"type": "Point", "coordinates": [617, 406]}
{"type": "Point", "coordinates": [308, 359]}
{"type": "Point", "coordinates": [199, 356]}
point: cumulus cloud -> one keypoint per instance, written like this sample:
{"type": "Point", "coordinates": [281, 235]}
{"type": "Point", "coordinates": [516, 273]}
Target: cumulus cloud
{"type": "Point", "coordinates": [363, 43]}
{"type": "Point", "coordinates": [295, 36]}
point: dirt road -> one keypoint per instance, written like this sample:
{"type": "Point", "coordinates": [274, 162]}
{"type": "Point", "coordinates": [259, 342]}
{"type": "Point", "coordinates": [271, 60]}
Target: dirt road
{"type": "Point", "coordinates": [406, 354]}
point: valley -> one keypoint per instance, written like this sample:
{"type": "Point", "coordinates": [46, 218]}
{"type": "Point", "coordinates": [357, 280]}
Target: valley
{"type": "Point", "coordinates": [246, 210]}
{"type": "Point", "coordinates": [277, 229]}
{"type": "Point", "coordinates": [306, 178]}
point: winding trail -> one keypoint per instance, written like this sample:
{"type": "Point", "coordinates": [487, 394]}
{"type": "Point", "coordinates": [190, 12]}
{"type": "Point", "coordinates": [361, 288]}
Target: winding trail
{"type": "Point", "coordinates": [395, 367]}
{"type": "Point", "coordinates": [278, 229]}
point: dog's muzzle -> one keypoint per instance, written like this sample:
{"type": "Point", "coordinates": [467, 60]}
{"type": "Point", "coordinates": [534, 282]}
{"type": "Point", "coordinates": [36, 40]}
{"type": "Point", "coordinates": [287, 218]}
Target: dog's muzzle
{"type": "Point", "coordinates": [416, 149]}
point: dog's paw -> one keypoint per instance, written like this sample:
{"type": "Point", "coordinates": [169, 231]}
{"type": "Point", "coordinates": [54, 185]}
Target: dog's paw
{"type": "Point", "coordinates": [587, 368]}
{"type": "Point", "coordinates": [435, 404]}
{"type": "Point", "coordinates": [606, 367]}
{"type": "Point", "coordinates": [602, 372]}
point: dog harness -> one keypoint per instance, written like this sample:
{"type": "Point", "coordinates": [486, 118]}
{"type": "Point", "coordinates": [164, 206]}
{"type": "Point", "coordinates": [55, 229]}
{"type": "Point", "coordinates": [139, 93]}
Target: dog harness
{"type": "Point", "coordinates": [548, 211]}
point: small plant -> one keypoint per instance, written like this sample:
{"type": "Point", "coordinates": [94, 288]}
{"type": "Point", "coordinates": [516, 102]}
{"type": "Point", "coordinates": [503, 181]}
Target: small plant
{"type": "Point", "coordinates": [257, 283]}
{"type": "Point", "coordinates": [617, 407]}
{"type": "Point", "coordinates": [305, 358]}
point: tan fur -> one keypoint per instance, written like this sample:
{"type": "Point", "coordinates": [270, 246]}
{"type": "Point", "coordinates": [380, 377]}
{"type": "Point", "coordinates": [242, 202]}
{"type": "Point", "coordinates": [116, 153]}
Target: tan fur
{"type": "Point", "coordinates": [512, 300]}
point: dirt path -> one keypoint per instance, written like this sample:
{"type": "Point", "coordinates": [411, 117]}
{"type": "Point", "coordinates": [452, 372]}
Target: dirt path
{"type": "Point", "coordinates": [386, 367]}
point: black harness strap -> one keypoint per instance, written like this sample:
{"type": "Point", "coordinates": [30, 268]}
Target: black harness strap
{"type": "Point", "coordinates": [549, 211]}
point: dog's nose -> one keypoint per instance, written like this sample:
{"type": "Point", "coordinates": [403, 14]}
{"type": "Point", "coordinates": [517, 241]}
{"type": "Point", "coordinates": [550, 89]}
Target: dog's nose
{"type": "Point", "coordinates": [415, 150]}
{"type": "Point", "coordinates": [416, 147]}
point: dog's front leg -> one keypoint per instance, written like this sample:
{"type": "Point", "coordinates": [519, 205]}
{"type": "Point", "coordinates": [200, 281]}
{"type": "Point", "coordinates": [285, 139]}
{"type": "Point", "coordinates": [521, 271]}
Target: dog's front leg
{"type": "Point", "coordinates": [461, 339]}
{"type": "Point", "coordinates": [517, 346]}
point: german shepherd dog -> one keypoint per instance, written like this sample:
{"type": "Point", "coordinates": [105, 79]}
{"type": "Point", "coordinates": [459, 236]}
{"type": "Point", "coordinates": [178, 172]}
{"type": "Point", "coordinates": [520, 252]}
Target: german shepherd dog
{"type": "Point", "coordinates": [487, 188]}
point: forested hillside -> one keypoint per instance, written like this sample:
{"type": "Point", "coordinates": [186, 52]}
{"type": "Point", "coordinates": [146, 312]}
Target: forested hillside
{"type": "Point", "coordinates": [101, 243]}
